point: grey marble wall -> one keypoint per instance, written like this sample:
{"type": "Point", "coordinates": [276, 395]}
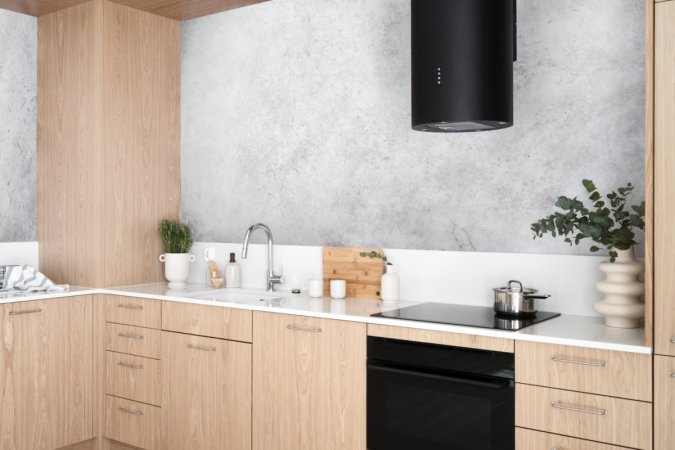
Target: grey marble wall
{"type": "Point", "coordinates": [296, 113]}
{"type": "Point", "coordinates": [18, 70]}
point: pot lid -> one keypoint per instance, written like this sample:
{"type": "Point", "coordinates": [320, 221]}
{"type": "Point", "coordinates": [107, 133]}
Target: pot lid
{"type": "Point", "coordinates": [515, 287]}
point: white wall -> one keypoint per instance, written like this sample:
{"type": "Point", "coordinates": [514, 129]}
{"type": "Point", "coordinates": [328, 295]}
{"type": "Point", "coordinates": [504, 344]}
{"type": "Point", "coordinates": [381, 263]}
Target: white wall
{"type": "Point", "coordinates": [296, 113]}
{"type": "Point", "coordinates": [18, 72]}
{"type": "Point", "coordinates": [17, 253]}
{"type": "Point", "coordinates": [436, 276]}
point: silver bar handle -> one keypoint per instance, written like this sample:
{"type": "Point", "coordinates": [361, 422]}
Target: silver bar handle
{"type": "Point", "coordinates": [130, 336]}
{"type": "Point", "coordinates": [301, 328]}
{"type": "Point", "coordinates": [672, 340]}
{"type": "Point", "coordinates": [581, 363]}
{"type": "Point", "coordinates": [596, 412]}
{"type": "Point", "coordinates": [129, 366]}
{"type": "Point", "coordinates": [672, 374]}
{"type": "Point", "coordinates": [128, 411]}
{"type": "Point", "coordinates": [204, 349]}
{"type": "Point", "coordinates": [28, 311]}
{"type": "Point", "coordinates": [130, 306]}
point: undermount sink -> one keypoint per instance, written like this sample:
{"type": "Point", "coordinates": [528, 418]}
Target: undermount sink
{"type": "Point", "coordinates": [242, 296]}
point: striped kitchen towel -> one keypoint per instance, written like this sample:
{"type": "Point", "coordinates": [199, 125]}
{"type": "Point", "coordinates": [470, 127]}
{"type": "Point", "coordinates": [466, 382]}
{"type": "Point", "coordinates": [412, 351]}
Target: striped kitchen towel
{"type": "Point", "coordinates": [27, 279]}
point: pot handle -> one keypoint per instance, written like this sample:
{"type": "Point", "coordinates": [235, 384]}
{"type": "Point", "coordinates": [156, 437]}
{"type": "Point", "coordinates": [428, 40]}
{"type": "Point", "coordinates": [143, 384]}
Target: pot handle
{"type": "Point", "coordinates": [540, 296]}
{"type": "Point", "coordinates": [520, 286]}
{"type": "Point", "coordinates": [162, 257]}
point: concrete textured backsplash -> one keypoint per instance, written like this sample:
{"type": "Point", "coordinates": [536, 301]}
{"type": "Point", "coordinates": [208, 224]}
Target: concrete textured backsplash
{"type": "Point", "coordinates": [296, 113]}
{"type": "Point", "coordinates": [18, 71]}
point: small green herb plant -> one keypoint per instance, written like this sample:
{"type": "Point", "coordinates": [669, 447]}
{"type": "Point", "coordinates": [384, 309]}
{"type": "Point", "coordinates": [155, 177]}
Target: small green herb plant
{"type": "Point", "coordinates": [609, 222]}
{"type": "Point", "coordinates": [176, 235]}
{"type": "Point", "coordinates": [374, 254]}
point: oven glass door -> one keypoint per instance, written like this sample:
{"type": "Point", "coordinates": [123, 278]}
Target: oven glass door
{"type": "Point", "coordinates": [412, 410]}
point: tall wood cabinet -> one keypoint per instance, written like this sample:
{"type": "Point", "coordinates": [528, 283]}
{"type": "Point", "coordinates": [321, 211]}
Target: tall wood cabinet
{"type": "Point", "coordinates": [46, 379]}
{"type": "Point", "coordinates": [309, 383]}
{"type": "Point", "coordinates": [108, 118]}
{"type": "Point", "coordinates": [664, 178]}
{"type": "Point", "coordinates": [664, 224]}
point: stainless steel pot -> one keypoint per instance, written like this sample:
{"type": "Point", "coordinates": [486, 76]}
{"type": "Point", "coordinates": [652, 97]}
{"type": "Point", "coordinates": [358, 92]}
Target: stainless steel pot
{"type": "Point", "coordinates": [515, 300]}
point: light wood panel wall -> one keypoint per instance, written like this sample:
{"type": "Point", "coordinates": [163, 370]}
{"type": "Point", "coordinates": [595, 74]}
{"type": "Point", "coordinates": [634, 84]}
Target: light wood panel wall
{"type": "Point", "coordinates": [664, 185]}
{"type": "Point", "coordinates": [108, 142]}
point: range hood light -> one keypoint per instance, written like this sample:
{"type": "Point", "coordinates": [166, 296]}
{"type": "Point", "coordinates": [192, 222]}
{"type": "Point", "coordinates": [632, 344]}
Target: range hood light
{"type": "Point", "coordinates": [462, 64]}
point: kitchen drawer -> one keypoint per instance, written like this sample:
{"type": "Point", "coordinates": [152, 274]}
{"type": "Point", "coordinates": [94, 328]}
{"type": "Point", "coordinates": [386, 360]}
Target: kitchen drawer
{"type": "Point", "coordinates": [664, 402]}
{"type": "Point", "coordinates": [612, 420]}
{"type": "Point", "coordinates": [212, 321]}
{"type": "Point", "coordinates": [604, 372]}
{"type": "Point", "coordinates": [538, 440]}
{"type": "Point", "coordinates": [142, 312]}
{"type": "Point", "coordinates": [134, 378]}
{"type": "Point", "coordinates": [133, 340]}
{"type": "Point", "coordinates": [132, 423]}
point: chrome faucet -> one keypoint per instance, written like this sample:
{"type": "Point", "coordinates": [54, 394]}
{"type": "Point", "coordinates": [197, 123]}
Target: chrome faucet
{"type": "Point", "coordinates": [272, 278]}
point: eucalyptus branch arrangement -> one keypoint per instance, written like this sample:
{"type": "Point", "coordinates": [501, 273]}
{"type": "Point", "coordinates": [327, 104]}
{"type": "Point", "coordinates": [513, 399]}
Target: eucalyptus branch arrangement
{"type": "Point", "coordinates": [177, 236]}
{"type": "Point", "coordinates": [609, 222]}
{"type": "Point", "coordinates": [374, 255]}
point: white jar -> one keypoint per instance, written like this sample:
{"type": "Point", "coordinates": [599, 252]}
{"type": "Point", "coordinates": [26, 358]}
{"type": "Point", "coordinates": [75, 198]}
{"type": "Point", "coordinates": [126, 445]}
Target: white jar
{"type": "Point", "coordinates": [390, 289]}
{"type": "Point", "coordinates": [232, 273]}
{"type": "Point", "coordinates": [176, 268]}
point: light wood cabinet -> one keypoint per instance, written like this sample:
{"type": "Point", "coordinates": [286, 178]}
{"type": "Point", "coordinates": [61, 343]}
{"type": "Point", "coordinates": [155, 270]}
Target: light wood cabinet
{"type": "Point", "coordinates": [664, 402]}
{"type": "Point", "coordinates": [664, 178]}
{"type": "Point", "coordinates": [204, 320]}
{"type": "Point", "coordinates": [538, 440]}
{"type": "Point", "coordinates": [309, 383]}
{"type": "Point", "coordinates": [596, 371]}
{"type": "Point", "coordinates": [206, 400]}
{"type": "Point", "coordinates": [626, 423]}
{"type": "Point", "coordinates": [133, 423]}
{"type": "Point", "coordinates": [142, 312]}
{"type": "Point", "coordinates": [46, 373]}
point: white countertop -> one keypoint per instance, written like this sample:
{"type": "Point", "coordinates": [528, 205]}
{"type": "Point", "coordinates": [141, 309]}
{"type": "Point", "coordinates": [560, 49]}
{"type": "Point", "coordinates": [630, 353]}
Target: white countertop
{"type": "Point", "coordinates": [582, 331]}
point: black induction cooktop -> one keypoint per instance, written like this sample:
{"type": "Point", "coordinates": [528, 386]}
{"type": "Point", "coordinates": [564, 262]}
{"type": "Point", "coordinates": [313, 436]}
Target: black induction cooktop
{"type": "Point", "coordinates": [469, 316]}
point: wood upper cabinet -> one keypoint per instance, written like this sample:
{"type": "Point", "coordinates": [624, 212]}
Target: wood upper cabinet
{"type": "Point", "coordinates": [664, 178]}
{"type": "Point", "coordinates": [206, 395]}
{"type": "Point", "coordinates": [664, 402]}
{"type": "Point", "coordinates": [46, 373]}
{"type": "Point", "coordinates": [309, 383]}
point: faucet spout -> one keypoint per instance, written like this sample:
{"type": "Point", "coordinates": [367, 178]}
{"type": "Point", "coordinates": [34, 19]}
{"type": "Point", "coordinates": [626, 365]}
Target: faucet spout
{"type": "Point", "coordinates": [272, 278]}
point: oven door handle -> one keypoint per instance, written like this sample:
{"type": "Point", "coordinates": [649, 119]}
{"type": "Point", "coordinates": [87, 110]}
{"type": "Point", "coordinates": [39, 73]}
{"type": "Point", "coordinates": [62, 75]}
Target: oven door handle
{"type": "Point", "coordinates": [496, 384]}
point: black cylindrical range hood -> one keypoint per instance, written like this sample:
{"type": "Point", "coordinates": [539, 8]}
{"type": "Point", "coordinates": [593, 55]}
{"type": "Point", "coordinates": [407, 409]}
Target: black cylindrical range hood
{"type": "Point", "coordinates": [462, 64]}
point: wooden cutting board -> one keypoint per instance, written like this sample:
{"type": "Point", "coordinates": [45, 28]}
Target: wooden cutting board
{"type": "Point", "coordinates": [363, 274]}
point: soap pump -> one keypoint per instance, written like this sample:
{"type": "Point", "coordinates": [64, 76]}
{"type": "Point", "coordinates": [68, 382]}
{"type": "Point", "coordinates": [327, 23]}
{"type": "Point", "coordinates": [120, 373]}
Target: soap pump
{"type": "Point", "coordinates": [232, 273]}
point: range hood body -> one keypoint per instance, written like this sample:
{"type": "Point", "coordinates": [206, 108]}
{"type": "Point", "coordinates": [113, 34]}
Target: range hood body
{"type": "Point", "coordinates": [462, 64]}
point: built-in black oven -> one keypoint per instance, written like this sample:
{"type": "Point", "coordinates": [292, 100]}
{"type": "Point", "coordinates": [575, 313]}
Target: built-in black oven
{"type": "Point", "coordinates": [433, 397]}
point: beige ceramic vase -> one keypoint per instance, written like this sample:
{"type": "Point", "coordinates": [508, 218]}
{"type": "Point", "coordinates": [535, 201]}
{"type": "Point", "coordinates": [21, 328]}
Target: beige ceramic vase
{"type": "Point", "coordinates": [622, 288]}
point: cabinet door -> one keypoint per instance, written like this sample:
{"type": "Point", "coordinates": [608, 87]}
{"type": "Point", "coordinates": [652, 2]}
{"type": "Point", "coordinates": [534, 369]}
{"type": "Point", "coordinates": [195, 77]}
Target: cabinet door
{"type": "Point", "coordinates": [664, 402]}
{"type": "Point", "coordinates": [309, 383]}
{"type": "Point", "coordinates": [664, 179]}
{"type": "Point", "coordinates": [45, 373]}
{"type": "Point", "coordinates": [206, 395]}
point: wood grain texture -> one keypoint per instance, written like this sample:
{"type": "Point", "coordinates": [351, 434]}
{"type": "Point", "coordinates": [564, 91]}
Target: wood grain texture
{"type": "Point", "coordinates": [627, 423]}
{"type": "Point", "coordinates": [187, 9]}
{"type": "Point", "coordinates": [206, 401]}
{"type": "Point", "coordinates": [309, 386]}
{"type": "Point", "coordinates": [212, 321]}
{"type": "Point", "coordinates": [664, 178]}
{"type": "Point", "coordinates": [627, 375]}
{"type": "Point", "coordinates": [69, 143]}
{"type": "Point", "coordinates": [141, 134]}
{"type": "Point", "coordinates": [363, 274]}
{"type": "Point", "coordinates": [133, 340]}
{"type": "Point", "coordinates": [134, 423]}
{"type": "Point", "coordinates": [442, 338]}
{"type": "Point", "coordinates": [142, 312]}
{"type": "Point", "coordinates": [38, 7]}
{"type": "Point", "coordinates": [664, 402]}
{"type": "Point", "coordinates": [46, 373]}
{"type": "Point", "coordinates": [538, 440]}
{"type": "Point", "coordinates": [108, 142]}
{"type": "Point", "coordinates": [649, 174]}
{"type": "Point", "coordinates": [134, 378]}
